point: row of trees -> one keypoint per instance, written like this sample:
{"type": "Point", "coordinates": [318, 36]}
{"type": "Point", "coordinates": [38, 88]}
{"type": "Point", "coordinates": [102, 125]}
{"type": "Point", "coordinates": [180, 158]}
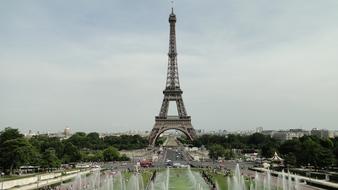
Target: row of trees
{"type": "Point", "coordinates": [216, 151]}
{"type": "Point", "coordinates": [310, 150]}
{"type": "Point", "coordinates": [51, 152]}
{"type": "Point", "coordinates": [297, 152]}
{"type": "Point", "coordinates": [94, 142]}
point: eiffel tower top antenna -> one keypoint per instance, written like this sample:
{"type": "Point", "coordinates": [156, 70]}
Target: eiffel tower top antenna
{"type": "Point", "coordinates": [172, 82]}
{"type": "Point", "coordinates": [172, 7]}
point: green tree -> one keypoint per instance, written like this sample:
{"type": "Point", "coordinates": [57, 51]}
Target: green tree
{"type": "Point", "coordinates": [96, 156]}
{"type": "Point", "coordinates": [327, 143]}
{"type": "Point", "coordinates": [257, 140]}
{"type": "Point", "coordinates": [9, 134]}
{"type": "Point", "coordinates": [216, 151]}
{"type": "Point", "coordinates": [184, 140]}
{"type": "Point", "coordinates": [310, 150]}
{"type": "Point", "coordinates": [228, 154]}
{"type": "Point", "coordinates": [159, 141]}
{"type": "Point", "coordinates": [126, 142]}
{"type": "Point", "coordinates": [124, 157]}
{"type": "Point", "coordinates": [71, 153]}
{"type": "Point", "coordinates": [43, 142]}
{"type": "Point", "coordinates": [99, 156]}
{"type": "Point", "coordinates": [235, 141]}
{"type": "Point", "coordinates": [17, 152]}
{"type": "Point", "coordinates": [94, 141]}
{"type": "Point", "coordinates": [268, 150]}
{"type": "Point", "coordinates": [291, 146]}
{"type": "Point", "coordinates": [290, 159]}
{"type": "Point", "coordinates": [336, 155]}
{"type": "Point", "coordinates": [49, 159]}
{"type": "Point", "coordinates": [111, 154]}
{"type": "Point", "coordinates": [325, 158]}
{"type": "Point", "coordinates": [79, 139]}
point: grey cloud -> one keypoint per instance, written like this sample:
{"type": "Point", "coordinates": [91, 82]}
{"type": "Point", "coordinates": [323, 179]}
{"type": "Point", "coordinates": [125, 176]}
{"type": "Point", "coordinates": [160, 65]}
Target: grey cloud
{"type": "Point", "coordinates": [94, 66]}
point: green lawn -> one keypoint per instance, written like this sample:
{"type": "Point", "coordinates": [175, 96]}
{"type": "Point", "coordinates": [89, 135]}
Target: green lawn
{"type": "Point", "coordinates": [222, 181]}
{"type": "Point", "coordinates": [180, 179]}
{"type": "Point", "coordinates": [146, 175]}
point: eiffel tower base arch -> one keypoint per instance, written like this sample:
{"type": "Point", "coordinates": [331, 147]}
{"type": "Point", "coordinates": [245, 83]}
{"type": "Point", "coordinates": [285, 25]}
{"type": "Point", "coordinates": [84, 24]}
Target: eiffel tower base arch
{"type": "Point", "coordinates": [166, 124]}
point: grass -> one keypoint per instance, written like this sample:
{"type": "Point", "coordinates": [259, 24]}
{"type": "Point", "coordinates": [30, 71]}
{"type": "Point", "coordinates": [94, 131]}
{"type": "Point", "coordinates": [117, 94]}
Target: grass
{"type": "Point", "coordinates": [179, 180]}
{"type": "Point", "coordinates": [222, 181]}
{"type": "Point", "coordinates": [146, 175]}
{"type": "Point", "coordinates": [126, 174]}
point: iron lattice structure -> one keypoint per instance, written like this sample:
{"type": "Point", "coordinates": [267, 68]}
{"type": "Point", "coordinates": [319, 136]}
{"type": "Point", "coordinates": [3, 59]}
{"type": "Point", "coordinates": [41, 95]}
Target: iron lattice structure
{"type": "Point", "coordinates": [172, 92]}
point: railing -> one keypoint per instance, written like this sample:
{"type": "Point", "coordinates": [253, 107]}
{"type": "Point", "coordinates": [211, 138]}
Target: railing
{"type": "Point", "coordinates": [171, 117]}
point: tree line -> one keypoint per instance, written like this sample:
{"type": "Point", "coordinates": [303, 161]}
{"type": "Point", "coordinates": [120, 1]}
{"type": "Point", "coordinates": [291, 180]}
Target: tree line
{"type": "Point", "coordinates": [51, 152]}
{"type": "Point", "coordinates": [304, 151]}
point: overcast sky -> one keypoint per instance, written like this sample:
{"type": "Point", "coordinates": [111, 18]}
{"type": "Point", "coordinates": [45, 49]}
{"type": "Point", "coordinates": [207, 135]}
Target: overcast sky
{"type": "Point", "coordinates": [101, 65]}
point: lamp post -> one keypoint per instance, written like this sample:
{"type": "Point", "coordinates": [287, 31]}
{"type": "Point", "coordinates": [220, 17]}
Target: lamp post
{"type": "Point", "coordinates": [37, 183]}
{"type": "Point", "coordinates": [2, 182]}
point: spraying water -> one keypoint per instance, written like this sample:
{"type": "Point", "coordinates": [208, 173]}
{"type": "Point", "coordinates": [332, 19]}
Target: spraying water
{"type": "Point", "coordinates": [187, 179]}
{"type": "Point", "coordinates": [263, 181]}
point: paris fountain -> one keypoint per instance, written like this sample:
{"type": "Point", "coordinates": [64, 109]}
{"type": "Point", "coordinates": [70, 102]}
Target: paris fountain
{"type": "Point", "coordinates": [180, 179]}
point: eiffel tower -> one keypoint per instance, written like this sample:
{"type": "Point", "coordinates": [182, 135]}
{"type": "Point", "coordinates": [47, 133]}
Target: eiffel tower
{"type": "Point", "coordinates": [172, 92]}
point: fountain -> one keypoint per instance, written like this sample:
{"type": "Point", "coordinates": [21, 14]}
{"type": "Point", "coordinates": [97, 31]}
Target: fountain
{"type": "Point", "coordinates": [177, 179]}
{"type": "Point", "coordinates": [184, 179]}
{"type": "Point", "coordinates": [262, 181]}
{"type": "Point", "coordinates": [135, 182]}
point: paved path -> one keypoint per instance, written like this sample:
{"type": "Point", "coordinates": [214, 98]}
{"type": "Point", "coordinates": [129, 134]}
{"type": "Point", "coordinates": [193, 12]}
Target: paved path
{"type": "Point", "coordinates": [171, 141]}
{"type": "Point", "coordinates": [49, 181]}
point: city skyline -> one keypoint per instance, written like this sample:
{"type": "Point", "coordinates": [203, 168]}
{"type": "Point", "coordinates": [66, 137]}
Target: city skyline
{"type": "Point", "coordinates": [101, 67]}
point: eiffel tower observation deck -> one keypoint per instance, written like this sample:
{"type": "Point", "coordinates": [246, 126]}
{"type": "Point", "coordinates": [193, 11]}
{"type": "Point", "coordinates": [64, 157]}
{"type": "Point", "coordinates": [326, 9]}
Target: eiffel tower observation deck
{"type": "Point", "coordinates": [172, 92]}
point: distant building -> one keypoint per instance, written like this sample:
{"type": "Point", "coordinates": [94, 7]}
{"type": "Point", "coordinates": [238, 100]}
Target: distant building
{"type": "Point", "coordinates": [268, 132]}
{"type": "Point", "coordinates": [30, 134]}
{"type": "Point", "coordinates": [57, 135]}
{"type": "Point", "coordinates": [199, 132]}
{"type": "Point", "coordinates": [336, 134]}
{"type": "Point", "coordinates": [322, 133]}
{"type": "Point", "coordinates": [259, 129]}
{"type": "Point", "coordinates": [284, 135]}
{"type": "Point", "coordinates": [290, 134]}
{"type": "Point", "coordinates": [222, 132]}
{"type": "Point", "coordinates": [67, 132]}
